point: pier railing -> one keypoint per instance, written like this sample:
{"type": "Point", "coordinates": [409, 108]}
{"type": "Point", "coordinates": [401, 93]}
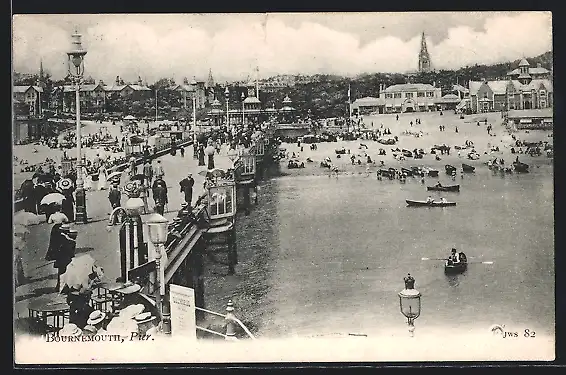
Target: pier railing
{"type": "Point", "coordinates": [231, 322]}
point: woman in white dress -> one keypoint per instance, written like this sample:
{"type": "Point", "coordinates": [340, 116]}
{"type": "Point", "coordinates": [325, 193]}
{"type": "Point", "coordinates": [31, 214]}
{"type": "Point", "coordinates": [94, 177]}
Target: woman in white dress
{"type": "Point", "coordinates": [102, 178]}
{"type": "Point", "coordinates": [87, 179]}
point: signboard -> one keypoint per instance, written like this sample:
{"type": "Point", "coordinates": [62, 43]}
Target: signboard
{"type": "Point", "coordinates": [183, 318]}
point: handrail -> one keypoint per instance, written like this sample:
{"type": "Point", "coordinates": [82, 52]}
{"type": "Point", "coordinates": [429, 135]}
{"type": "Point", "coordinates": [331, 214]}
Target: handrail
{"type": "Point", "coordinates": [242, 325]}
{"type": "Point", "coordinates": [213, 332]}
{"type": "Point", "coordinates": [210, 312]}
{"type": "Point", "coordinates": [250, 335]}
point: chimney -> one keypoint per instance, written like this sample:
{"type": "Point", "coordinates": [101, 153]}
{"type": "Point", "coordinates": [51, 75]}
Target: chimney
{"type": "Point", "coordinates": [117, 80]}
{"type": "Point", "coordinates": [539, 65]}
{"type": "Point", "coordinates": [101, 82]}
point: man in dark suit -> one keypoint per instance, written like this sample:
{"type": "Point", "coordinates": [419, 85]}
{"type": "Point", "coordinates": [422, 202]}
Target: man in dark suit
{"type": "Point", "coordinates": [187, 188]}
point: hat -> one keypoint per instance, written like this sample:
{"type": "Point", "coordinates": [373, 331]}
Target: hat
{"type": "Point", "coordinates": [65, 226]}
{"type": "Point", "coordinates": [95, 317]}
{"type": "Point", "coordinates": [88, 329]}
{"type": "Point", "coordinates": [70, 330]}
{"type": "Point", "coordinates": [184, 204]}
{"type": "Point", "coordinates": [189, 174]}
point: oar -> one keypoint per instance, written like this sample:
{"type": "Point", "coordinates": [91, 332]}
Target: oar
{"type": "Point", "coordinates": [487, 262]}
{"type": "Point", "coordinates": [434, 259]}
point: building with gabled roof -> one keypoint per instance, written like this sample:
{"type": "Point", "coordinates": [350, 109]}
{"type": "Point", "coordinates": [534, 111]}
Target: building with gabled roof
{"type": "Point", "coordinates": [31, 96]}
{"type": "Point", "coordinates": [524, 89]}
{"type": "Point", "coordinates": [409, 97]}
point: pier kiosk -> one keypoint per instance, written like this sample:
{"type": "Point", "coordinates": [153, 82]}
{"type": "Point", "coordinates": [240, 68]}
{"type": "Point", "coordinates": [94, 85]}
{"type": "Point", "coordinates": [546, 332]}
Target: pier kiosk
{"type": "Point", "coordinates": [245, 173]}
{"type": "Point", "coordinates": [221, 209]}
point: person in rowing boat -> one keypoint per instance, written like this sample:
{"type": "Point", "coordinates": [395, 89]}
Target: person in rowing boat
{"type": "Point", "coordinates": [454, 258]}
{"type": "Point", "coordinates": [429, 200]}
{"type": "Point", "coordinates": [443, 200]}
{"type": "Point", "coordinates": [438, 184]}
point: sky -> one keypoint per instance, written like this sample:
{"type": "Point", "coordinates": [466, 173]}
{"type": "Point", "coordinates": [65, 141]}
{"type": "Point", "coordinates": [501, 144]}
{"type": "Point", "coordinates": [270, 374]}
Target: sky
{"type": "Point", "coordinates": [154, 46]}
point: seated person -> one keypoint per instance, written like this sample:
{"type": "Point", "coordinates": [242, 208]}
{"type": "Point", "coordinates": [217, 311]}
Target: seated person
{"type": "Point", "coordinates": [438, 184]}
{"type": "Point", "coordinates": [429, 200]}
{"type": "Point", "coordinates": [455, 257]}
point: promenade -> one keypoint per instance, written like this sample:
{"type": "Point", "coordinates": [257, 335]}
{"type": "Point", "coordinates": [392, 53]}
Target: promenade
{"type": "Point", "coordinates": [94, 237]}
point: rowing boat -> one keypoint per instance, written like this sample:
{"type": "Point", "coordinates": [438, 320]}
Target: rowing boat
{"type": "Point", "coordinates": [454, 268]}
{"type": "Point", "coordinates": [413, 203]}
{"type": "Point", "coordinates": [443, 188]}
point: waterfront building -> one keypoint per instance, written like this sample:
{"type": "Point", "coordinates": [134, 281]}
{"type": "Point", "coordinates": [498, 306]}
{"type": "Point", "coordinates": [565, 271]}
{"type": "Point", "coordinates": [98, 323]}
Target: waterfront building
{"type": "Point", "coordinates": [137, 91]}
{"type": "Point", "coordinates": [531, 118]}
{"type": "Point", "coordinates": [92, 97]}
{"type": "Point", "coordinates": [31, 96]}
{"type": "Point", "coordinates": [368, 105]}
{"type": "Point", "coordinates": [448, 102]}
{"type": "Point", "coordinates": [194, 89]}
{"type": "Point", "coordinates": [519, 91]}
{"type": "Point", "coordinates": [409, 97]}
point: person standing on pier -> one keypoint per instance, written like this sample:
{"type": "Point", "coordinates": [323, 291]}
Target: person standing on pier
{"type": "Point", "coordinates": [158, 171]}
{"type": "Point", "coordinates": [148, 172]}
{"type": "Point", "coordinates": [187, 188]}
{"type": "Point", "coordinates": [159, 190]}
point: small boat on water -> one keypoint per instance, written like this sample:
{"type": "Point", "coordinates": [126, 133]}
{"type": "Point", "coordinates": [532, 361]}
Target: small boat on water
{"type": "Point", "coordinates": [413, 203]}
{"type": "Point", "coordinates": [452, 268]}
{"type": "Point", "coordinates": [449, 169]}
{"type": "Point", "coordinates": [468, 168]}
{"type": "Point", "coordinates": [521, 167]}
{"type": "Point", "coordinates": [433, 172]}
{"type": "Point", "coordinates": [408, 172]}
{"type": "Point", "coordinates": [407, 153]}
{"type": "Point", "coordinates": [455, 188]}
{"type": "Point", "coordinates": [340, 152]}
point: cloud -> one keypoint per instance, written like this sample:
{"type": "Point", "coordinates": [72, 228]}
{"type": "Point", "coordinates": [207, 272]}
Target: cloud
{"type": "Point", "coordinates": [152, 47]}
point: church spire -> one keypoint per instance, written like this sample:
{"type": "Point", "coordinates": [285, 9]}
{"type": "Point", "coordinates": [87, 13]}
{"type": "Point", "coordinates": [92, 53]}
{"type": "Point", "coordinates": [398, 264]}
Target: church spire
{"type": "Point", "coordinates": [424, 57]}
{"type": "Point", "coordinates": [210, 81]}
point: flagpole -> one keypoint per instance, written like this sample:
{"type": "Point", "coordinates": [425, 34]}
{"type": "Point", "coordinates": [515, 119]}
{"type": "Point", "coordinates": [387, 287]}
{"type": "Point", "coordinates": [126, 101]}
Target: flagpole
{"type": "Point", "coordinates": [349, 106]}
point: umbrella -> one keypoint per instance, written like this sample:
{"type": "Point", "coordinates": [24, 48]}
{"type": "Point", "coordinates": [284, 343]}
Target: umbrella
{"type": "Point", "coordinates": [78, 271]}
{"type": "Point", "coordinates": [114, 175]}
{"type": "Point", "coordinates": [129, 117]}
{"type": "Point", "coordinates": [53, 198]}
{"type": "Point", "coordinates": [217, 172]}
{"type": "Point", "coordinates": [27, 218]}
{"type": "Point", "coordinates": [64, 184]}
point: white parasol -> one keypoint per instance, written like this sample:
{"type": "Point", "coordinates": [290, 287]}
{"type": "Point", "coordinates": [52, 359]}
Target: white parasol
{"type": "Point", "coordinates": [129, 117]}
{"type": "Point", "coordinates": [77, 275]}
{"type": "Point", "coordinates": [53, 198]}
{"type": "Point", "coordinates": [114, 175]}
{"type": "Point", "coordinates": [27, 218]}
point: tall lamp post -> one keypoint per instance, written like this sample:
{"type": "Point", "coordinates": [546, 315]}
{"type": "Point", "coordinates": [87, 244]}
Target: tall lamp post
{"type": "Point", "coordinates": [76, 72]}
{"type": "Point", "coordinates": [243, 114]}
{"type": "Point", "coordinates": [410, 303]}
{"type": "Point", "coordinates": [227, 95]}
{"type": "Point", "coordinates": [157, 228]}
{"type": "Point", "coordinates": [195, 148]}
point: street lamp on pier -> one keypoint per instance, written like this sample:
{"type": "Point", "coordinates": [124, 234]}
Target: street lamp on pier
{"type": "Point", "coordinates": [157, 228]}
{"type": "Point", "coordinates": [195, 149]}
{"type": "Point", "coordinates": [410, 303]}
{"type": "Point", "coordinates": [243, 115]}
{"type": "Point", "coordinates": [75, 67]}
{"type": "Point", "coordinates": [227, 95]}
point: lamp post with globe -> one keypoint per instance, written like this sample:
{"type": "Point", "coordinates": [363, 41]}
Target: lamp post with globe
{"type": "Point", "coordinates": [227, 96]}
{"type": "Point", "coordinates": [157, 228]}
{"type": "Point", "coordinates": [75, 64]}
{"type": "Point", "coordinates": [410, 303]}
